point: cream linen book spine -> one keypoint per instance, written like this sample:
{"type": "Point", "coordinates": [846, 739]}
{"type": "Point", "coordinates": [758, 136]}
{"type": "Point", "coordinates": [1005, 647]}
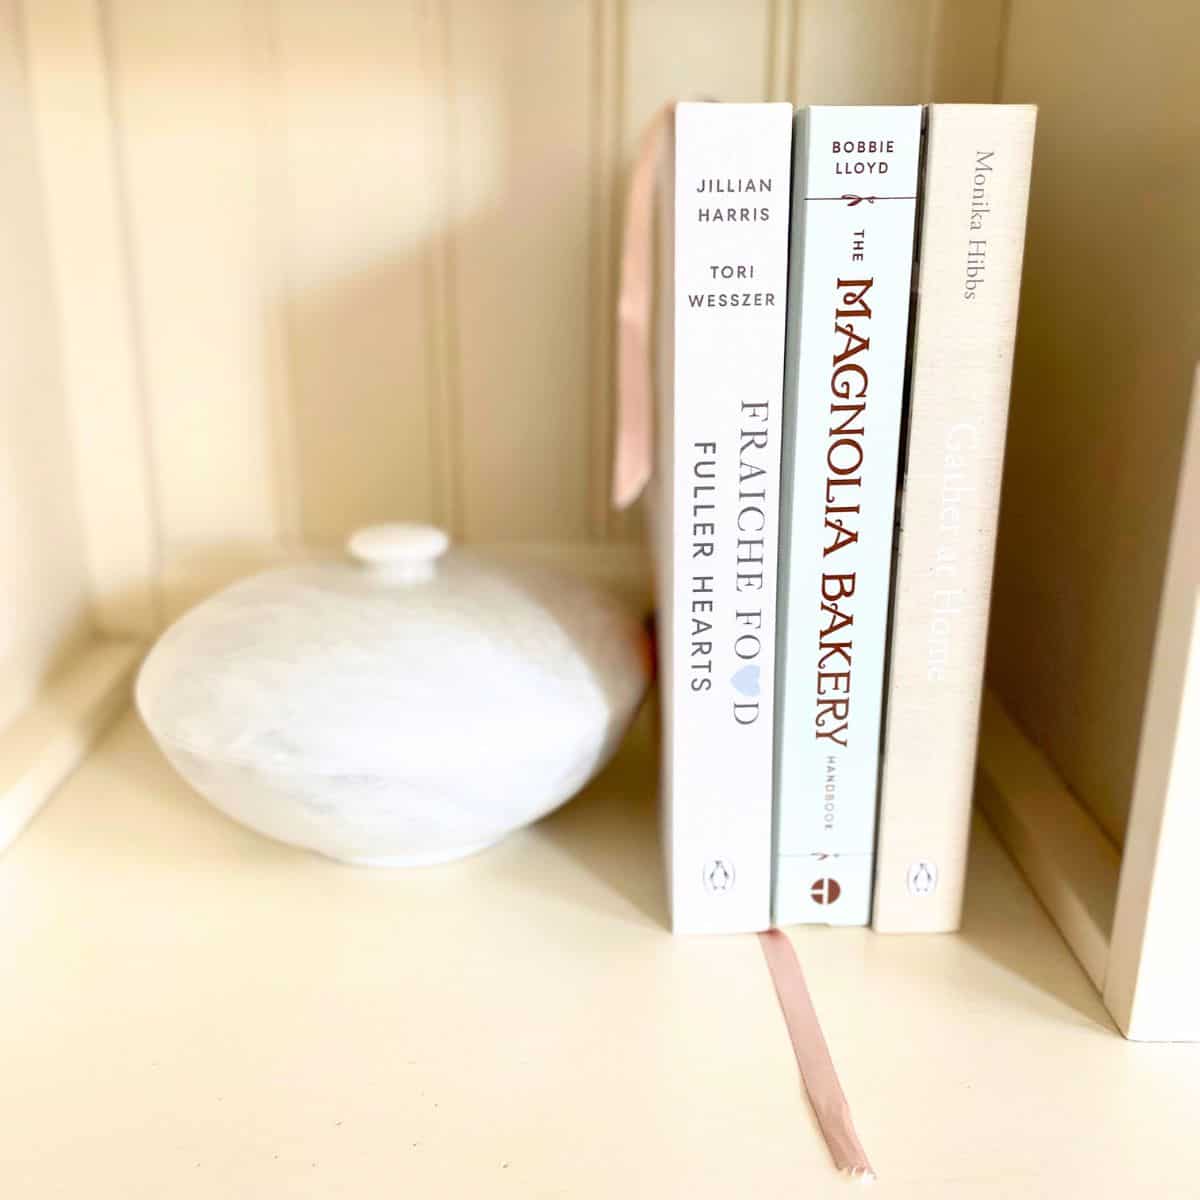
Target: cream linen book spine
{"type": "Point", "coordinates": [975, 194]}
{"type": "Point", "coordinates": [853, 225]}
{"type": "Point", "coordinates": [720, 383]}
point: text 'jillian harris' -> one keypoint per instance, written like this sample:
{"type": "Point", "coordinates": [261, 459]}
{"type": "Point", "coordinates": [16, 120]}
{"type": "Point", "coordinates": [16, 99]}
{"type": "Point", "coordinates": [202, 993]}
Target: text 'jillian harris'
{"type": "Point", "coordinates": [726, 187]}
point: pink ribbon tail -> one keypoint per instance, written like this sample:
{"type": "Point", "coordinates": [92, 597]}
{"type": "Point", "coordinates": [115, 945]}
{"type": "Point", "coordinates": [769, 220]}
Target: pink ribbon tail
{"type": "Point", "coordinates": [812, 1056]}
{"type": "Point", "coordinates": [634, 440]}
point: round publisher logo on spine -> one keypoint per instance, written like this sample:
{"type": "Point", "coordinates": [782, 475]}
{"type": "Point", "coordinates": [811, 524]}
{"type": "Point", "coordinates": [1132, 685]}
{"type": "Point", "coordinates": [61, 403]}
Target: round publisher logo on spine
{"type": "Point", "coordinates": [719, 875]}
{"type": "Point", "coordinates": [923, 878]}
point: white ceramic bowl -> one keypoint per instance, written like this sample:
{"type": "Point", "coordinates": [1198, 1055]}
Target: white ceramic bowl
{"type": "Point", "coordinates": [404, 709]}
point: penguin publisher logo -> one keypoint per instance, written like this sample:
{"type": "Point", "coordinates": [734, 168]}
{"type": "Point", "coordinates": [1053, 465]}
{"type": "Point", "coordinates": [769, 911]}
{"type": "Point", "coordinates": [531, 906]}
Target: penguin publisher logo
{"type": "Point", "coordinates": [719, 875]}
{"type": "Point", "coordinates": [923, 878]}
{"type": "Point", "coordinates": [825, 891]}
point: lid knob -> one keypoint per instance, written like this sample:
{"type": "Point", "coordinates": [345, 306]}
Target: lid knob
{"type": "Point", "coordinates": [403, 551]}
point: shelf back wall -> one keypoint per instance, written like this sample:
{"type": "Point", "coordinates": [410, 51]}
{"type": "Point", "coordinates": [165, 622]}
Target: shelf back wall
{"type": "Point", "coordinates": [43, 578]}
{"type": "Point", "coordinates": [1108, 344]}
{"type": "Point", "coordinates": [362, 257]}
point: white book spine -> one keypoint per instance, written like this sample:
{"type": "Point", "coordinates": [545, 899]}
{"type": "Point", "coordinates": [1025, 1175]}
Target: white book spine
{"type": "Point", "coordinates": [854, 213]}
{"type": "Point", "coordinates": [976, 190]}
{"type": "Point", "coordinates": [721, 448]}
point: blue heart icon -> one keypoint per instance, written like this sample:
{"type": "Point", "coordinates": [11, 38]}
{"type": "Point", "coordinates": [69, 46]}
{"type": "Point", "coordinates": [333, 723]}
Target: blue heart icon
{"type": "Point", "coordinates": [746, 679]}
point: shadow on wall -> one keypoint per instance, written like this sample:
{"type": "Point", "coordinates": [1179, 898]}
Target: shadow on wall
{"type": "Point", "coordinates": [438, 317]}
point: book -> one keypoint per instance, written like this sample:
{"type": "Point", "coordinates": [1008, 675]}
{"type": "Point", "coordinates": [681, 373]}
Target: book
{"type": "Point", "coordinates": [853, 221]}
{"type": "Point", "coordinates": [976, 188]}
{"type": "Point", "coordinates": [721, 303]}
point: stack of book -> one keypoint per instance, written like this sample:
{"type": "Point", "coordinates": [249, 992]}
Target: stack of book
{"type": "Point", "coordinates": [837, 308]}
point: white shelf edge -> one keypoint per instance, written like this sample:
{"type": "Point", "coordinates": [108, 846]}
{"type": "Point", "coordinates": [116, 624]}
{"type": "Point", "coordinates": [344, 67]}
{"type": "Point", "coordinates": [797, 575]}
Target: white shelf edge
{"type": "Point", "coordinates": [52, 736]}
{"type": "Point", "coordinates": [1153, 982]}
{"type": "Point", "coordinates": [1071, 866]}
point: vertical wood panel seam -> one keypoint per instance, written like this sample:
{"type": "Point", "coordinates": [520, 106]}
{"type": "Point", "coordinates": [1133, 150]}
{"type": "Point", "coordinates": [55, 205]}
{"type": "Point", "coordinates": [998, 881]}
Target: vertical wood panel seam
{"type": "Point", "coordinates": [1001, 63]}
{"type": "Point", "coordinates": [442, 344]}
{"type": "Point", "coordinates": [597, 225]}
{"type": "Point", "coordinates": [605, 220]}
{"type": "Point", "coordinates": [934, 26]}
{"type": "Point", "coordinates": [795, 46]}
{"type": "Point", "coordinates": [110, 66]}
{"type": "Point", "coordinates": [273, 199]}
{"type": "Point", "coordinates": [781, 58]}
{"type": "Point", "coordinates": [770, 65]}
{"type": "Point", "coordinates": [24, 52]}
{"type": "Point", "coordinates": [618, 82]}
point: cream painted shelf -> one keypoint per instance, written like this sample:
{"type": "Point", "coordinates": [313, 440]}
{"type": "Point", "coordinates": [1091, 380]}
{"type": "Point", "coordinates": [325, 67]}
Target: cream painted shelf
{"type": "Point", "coordinates": [189, 1010]}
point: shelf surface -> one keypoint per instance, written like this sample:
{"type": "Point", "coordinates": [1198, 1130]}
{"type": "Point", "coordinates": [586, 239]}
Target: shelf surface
{"type": "Point", "coordinates": [189, 1010]}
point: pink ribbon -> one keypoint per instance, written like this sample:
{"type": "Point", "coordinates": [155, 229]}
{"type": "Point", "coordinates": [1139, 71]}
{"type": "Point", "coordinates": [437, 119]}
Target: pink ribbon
{"type": "Point", "coordinates": [812, 1056]}
{"type": "Point", "coordinates": [633, 460]}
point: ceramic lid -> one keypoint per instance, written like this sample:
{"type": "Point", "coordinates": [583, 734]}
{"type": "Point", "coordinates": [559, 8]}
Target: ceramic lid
{"type": "Point", "coordinates": [399, 659]}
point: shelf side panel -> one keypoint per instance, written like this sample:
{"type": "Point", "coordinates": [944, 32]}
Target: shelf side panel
{"type": "Point", "coordinates": [1153, 983]}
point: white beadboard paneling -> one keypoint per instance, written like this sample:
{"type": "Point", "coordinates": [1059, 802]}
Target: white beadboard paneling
{"type": "Point", "coordinates": [864, 52]}
{"type": "Point", "coordinates": [703, 50]}
{"type": "Point", "coordinates": [605, 216]}
{"type": "Point", "coordinates": [444, 395]}
{"type": "Point", "coordinates": [370, 250]}
{"type": "Point", "coordinates": [519, 123]}
{"type": "Point", "coordinates": [359, 219]}
{"type": "Point", "coordinates": [188, 112]}
{"type": "Point", "coordinates": [781, 49]}
{"type": "Point", "coordinates": [966, 44]}
{"type": "Point", "coordinates": [81, 201]}
{"type": "Point", "coordinates": [43, 582]}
